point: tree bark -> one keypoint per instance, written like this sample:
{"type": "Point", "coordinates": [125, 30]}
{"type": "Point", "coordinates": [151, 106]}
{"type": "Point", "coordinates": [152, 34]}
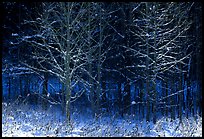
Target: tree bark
{"type": "Point", "coordinates": [147, 72]}
{"type": "Point", "coordinates": [67, 65]}
{"type": "Point", "coordinates": [45, 91]}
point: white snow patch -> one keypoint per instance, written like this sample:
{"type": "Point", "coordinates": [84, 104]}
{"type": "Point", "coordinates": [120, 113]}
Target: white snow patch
{"type": "Point", "coordinates": [133, 102]}
{"type": "Point", "coordinates": [24, 121]}
{"type": "Point", "coordinates": [14, 34]}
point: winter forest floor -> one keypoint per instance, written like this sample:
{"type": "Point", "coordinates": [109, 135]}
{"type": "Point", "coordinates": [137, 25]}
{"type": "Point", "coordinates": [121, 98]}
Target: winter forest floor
{"type": "Point", "coordinates": [30, 121]}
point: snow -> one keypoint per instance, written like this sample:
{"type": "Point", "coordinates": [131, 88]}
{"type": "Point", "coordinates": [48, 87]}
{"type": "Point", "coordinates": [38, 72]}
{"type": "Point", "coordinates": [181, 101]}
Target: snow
{"type": "Point", "coordinates": [30, 121]}
{"type": "Point", "coordinates": [141, 66]}
{"type": "Point", "coordinates": [133, 102]}
{"type": "Point", "coordinates": [14, 34]}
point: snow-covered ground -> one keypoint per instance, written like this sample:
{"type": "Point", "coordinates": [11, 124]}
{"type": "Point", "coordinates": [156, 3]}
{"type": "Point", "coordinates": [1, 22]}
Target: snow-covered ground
{"type": "Point", "coordinates": [29, 121]}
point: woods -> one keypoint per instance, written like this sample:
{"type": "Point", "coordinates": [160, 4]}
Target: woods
{"type": "Point", "coordinates": [122, 58]}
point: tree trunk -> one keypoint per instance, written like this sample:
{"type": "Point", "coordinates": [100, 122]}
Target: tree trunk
{"type": "Point", "coordinates": [154, 105]}
{"type": "Point", "coordinates": [127, 97]}
{"type": "Point", "coordinates": [163, 95]}
{"type": "Point", "coordinates": [90, 65]}
{"type": "Point", "coordinates": [103, 101]}
{"type": "Point", "coordinates": [67, 65]}
{"type": "Point", "coordinates": [63, 99]}
{"type": "Point", "coordinates": [68, 99]}
{"type": "Point", "coordinates": [167, 99]}
{"type": "Point", "coordinates": [188, 95]}
{"type": "Point", "coordinates": [45, 91]}
{"type": "Point", "coordinates": [147, 72]}
{"type": "Point", "coordinates": [147, 101]}
{"type": "Point", "coordinates": [20, 85]}
{"type": "Point", "coordinates": [141, 105]}
{"type": "Point", "coordinates": [180, 97]}
{"type": "Point", "coordinates": [172, 100]}
{"type": "Point", "coordinates": [155, 80]}
{"type": "Point", "coordinates": [120, 99]}
{"type": "Point", "coordinates": [91, 91]}
{"type": "Point", "coordinates": [68, 85]}
{"type": "Point", "coordinates": [9, 88]}
{"type": "Point", "coordinates": [98, 92]}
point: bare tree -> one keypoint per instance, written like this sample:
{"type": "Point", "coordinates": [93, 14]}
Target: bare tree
{"type": "Point", "coordinates": [157, 30]}
{"type": "Point", "coordinates": [59, 43]}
